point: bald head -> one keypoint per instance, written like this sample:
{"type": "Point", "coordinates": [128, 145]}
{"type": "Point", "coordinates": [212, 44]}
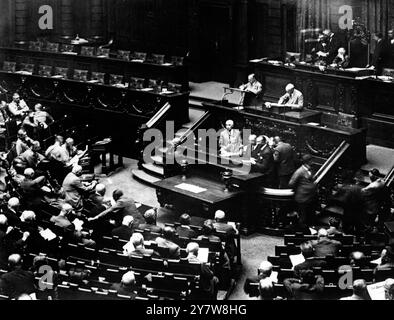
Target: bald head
{"type": "Point", "coordinates": [66, 209]}
{"type": "Point", "coordinates": [14, 260]}
{"type": "Point", "coordinates": [137, 239]}
{"type": "Point", "coordinates": [128, 279]}
{"type": "Point", "coordinates": [150, 216]}
{"type": "Point", "coordinates": [77, 170]}
{"type": "Point", "coordinates": [28, 216]}
{"type": "Point", "coordinates": [128, 221]}
{"type": "Point", "coordinates": [13, 203]}
{"type": "Point", "coordinates": [3, 220]}
{"type": "Point", "coordinates": [192, 248]}
{"type": "Point", "coordinates": [265, 268]}
{"type": "Point", "coordinates": [29, 173]}
{"type": "Point", "coordinates": [290, 88]}
{"type": "Point", "coordinates": [101, 189]}
{"type": "Point", "coordinates": [220, 215]}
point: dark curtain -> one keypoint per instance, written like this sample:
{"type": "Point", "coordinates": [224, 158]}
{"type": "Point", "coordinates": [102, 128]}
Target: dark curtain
{"type": "Point", "coordinates": [312, 14]}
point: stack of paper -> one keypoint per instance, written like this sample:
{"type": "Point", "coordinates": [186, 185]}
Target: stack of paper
{"type": "Point", "coordinates": [190, 188]}
{"type": "Point", "coordinates": [47, 234]}
{"type": "Point", "coordinates": [376, 291]}
{"type": "Point", "coordinates": [203, 254]}
{"type": "Point", "coordinates": [297, 259]}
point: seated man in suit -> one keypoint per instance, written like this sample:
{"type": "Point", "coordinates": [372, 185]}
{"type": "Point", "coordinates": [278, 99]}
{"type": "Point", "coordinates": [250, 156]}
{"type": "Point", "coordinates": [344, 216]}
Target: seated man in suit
{"type": "Point", "coordinates": [184, 229]}
{"type": "Point", "coordinates": [166, 241]}
{"type": "Point", "coordinates": [123, 206]}
{"type": "Point", "coordinates": [96, 203]}
{"type": "Point", "coordinates": [229, 231]}
{"type": "Point", "coordinates": [75, 189]}
{"type": "Point", "coordinates": [310, 260]}
{"type": "Point", "coordinates": [208, 281]}
{"type": "Point", "coordinates": [33, 194]}
{"type": "Point", "coordinates": [341, 60]}
{"type": "Point", "coordinates": [150, 223]}
{"type": "Point", "coordinates": [17, 281]}
{"type": "Point", "coordinates": [284, 158]}
{"type": "Point", "coordinates": [230, 141]}
{"type": "Point", "coordinates": [127, 286]}
{"type": "Point", "coordinates": [293, 99]}
{"type": "Point", "coordinates": [31, 157]}
{"type": "Point", "coordinates": [125, 231]}
{"type": "Point", "coordinates": [12, 212]}
{"type": "Point", "coordinates": [325, 246]}
{"type": "Point", "coordinates": [137, 240]}
{"type": "Point", "coordinates": [308, 287]}
{"type": "Point", "coordinates": [266, 279]}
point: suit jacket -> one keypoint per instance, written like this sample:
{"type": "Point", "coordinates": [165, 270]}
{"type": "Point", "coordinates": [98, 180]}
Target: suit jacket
{"type": "Point", "coordinates": [379, 57]}
{"type": "Point", "coordinates": [95, 204]}
{"type": "Point", "coordinates": [13, 217]}
{"type": "Point", "coordinates": [151, 228]}
{"type": "Point", "coordinates": [186, 232]}
{"type": "Point", "coordinates": [390, 55]}
{"type": "Point", "coordinates": [126, 207]}
{"type": "Point", "coordinates": [303, 185]}
{"type": "Point", "coordinates": [296, 98]}
{"type": "Point", "coordinates": [174, 250]}
{"type": "Point", "coordinates": [284, 156]}
{"type": "Point", "coordinates": [302, 291]}
{"type": "Point", "coordinates": [73, 190]}
{"type": "Point", "coordinates": [17, 282]}
{"type": "Point", "coordinates": [265, 164]}
{"type": "Point", "coordinates": [230, 141]}
{"type": "Point", "coordinates": [341, 62]}
{"type": "Point", "coordinates": [123, 232]}
{"type": "Point", "coordinates": [309, 264]}
{"type": "Point", "coordinates": [324, 247]}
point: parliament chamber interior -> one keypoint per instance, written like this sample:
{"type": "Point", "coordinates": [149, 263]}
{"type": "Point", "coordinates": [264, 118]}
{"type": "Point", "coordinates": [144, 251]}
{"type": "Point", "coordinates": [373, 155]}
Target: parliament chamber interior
{"type": "Point", "coordinates": [196, 150]}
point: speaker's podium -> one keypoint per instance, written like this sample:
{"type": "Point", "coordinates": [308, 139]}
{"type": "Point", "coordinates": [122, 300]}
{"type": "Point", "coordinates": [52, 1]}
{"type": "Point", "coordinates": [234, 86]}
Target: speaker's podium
{"type": "Point", "coordinates": [240, 98]}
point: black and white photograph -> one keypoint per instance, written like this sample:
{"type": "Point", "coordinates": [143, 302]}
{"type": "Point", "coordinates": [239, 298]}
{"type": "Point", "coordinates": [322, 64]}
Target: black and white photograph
{"type": "Point", "coordinates": [193, 157]}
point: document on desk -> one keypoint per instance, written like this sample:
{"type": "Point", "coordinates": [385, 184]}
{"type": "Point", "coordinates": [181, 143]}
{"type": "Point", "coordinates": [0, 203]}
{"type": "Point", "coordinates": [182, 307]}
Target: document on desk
{"type": "Point", "coordinates": [48, 235]}
{"type": "Point", "coordinates": [190, 188]}
{"type": "Point", "coordinates": [376, 291]}
{"type": "Point", "coordinates": [297, 259]}
{"type": "Point", "coordinates": [203, 255]}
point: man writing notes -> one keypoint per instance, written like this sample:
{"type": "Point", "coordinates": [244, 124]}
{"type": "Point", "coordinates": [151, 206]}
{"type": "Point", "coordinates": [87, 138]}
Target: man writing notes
{"type": "Point", "coordinates": [230, 141]}
{"type": "Point", "coordinates": [292, 99]}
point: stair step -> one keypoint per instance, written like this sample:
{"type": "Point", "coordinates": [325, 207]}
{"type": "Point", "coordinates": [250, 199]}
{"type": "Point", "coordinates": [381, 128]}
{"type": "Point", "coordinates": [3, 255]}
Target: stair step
{"type": "Point", "coordinates": [144, 177]}
{"type": "Point", "coordinates": [153, 169]}
{"type": "Point", "coordinates": [158, 160]}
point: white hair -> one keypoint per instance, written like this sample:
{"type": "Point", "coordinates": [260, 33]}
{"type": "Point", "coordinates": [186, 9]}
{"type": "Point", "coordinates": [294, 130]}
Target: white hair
{"type": "Point", "coordinates": [193, 247]}
{"type": "Point", "coordinates": [289, 87]}
{"type": "Point", "coordinates": [77, 169]}
{"type": "Point", "coordinates": [137, 239]}
{"type": "Point", "coordinates": [29, 172]}
{"type": "Point", "coordinates": [13, 202]}
{"type": "Point", "coordinates": [128, 278]}
{"type": "Point", "coordinates": [127, 220]}
{"type": "Point", "coordinates": [220, 215]}
{"type": "Point", "coordinates": [28, 216]}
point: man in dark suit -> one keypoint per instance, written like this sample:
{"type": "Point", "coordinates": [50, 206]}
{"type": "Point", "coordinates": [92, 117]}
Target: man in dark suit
{"type": "Point", "coordinates": [390, 50]}
{"type": "Point", "coordinates": [127, 286]}
{"type": "Point", "coordinates": [33, 195]}
{"type": "Point", "coordinates": [379, 56]}
{"type": "Point", "coordinates": [125, 231]}
{"type": "Point", "coordinates": [333, 44]}
{"type": "Point", "coordinates": [325, 246]}
{"type": "Point", "coordinates": [305, 190]}
{"type": "Point", "coordinates": [150, 222]}
{"type": "Point", "coordinates": [123, 206]}
{"type": "Point", "coordinates": [17, 281]}
{"type": "Point", "coordinates": [285, 159]}
{"type": "Point", "coordinates": [230, 232]}
{"type": "Point", "coordinates": [308, 287]}
{"type": "Point", "coordinates": [264, 161]}
{"type": "Point", "coordinates": [310, 260]}
{"type": "Point", "coordinates": [184, 229]}
{"type": "Point", "coordinates": [12, 212]}
{"type": "Point", "coordinates": [174, 251]}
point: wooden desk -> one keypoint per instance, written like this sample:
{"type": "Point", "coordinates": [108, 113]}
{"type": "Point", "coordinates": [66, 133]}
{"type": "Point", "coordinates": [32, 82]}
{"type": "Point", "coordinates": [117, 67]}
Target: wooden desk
{"type": "Point", "coordinates": [146, 70]}
{"type": "Point", "coordinates": [335, 91]}
{"type": "Point", "coordinates": [202, 204]}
